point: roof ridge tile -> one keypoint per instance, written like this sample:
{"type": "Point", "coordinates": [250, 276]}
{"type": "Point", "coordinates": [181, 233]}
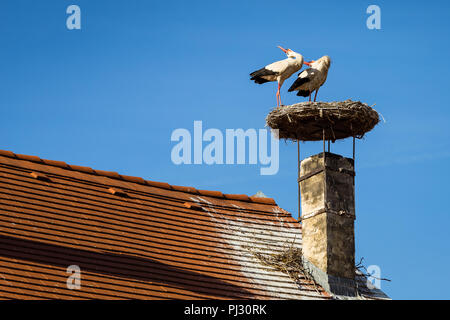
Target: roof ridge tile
{"type": "Point", "coordinates": [139, 180]}
{"type": "Point", "coordinates": [240, 197]}
{"type": "Point", "coordinates": [158, 184]}
{"type": "Point", "coordinates": [185, 189]}
{"type": "Point", "coordinates": [55, 163]}
{"type": "Point", "coordinates": [211, 193]}
{"type": "Point", "coordinates": [263, 200]}
{"type": "Point", "coordinates": [109, 174]}
{"type": "Point", "coordinates": [134, 179]}
{"type": "Point", "coordinates": [7, 153]}
{"type": "Point", "coordinates": [82, 169]}
{"type": "Point", "coordinates": [28, 158]}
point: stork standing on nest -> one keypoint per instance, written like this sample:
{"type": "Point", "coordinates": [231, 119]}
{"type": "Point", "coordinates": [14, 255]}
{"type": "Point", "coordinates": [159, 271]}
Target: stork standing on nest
{"type": "Point", "coordinates": [279, 70]}
{"type": "Point", "coordinates": [312, 79]}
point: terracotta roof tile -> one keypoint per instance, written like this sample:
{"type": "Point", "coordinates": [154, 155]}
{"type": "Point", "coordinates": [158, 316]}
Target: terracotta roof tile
{"type": "Point", "coordinates": [193, 206]}
{"type": "Point", "coordinates": [7, 154]}
{"type": "Point", "coordinates": [60, 164]}
{"type": "Point", "coordinates": [82, 169]}
{"type": "Point", "coordinates": [108, 174]}
{"type": "Point", "coordinates": [240, 197]}
{"type": "Point", "coordinates": [131, 179]}
{"type": "Point", "coordinates": [211, 193]}
{"type": "Point", "coordinates": [163, 185]}
{"type": "Point", "coordinates": [29, 158]}
{"type": "Point", "coordinates": [40, 176]}
{"type": "Point", "coordinates": [183, 189]}
{"type": "Point", "coordinates": [117, 192]}
{"type": "Point", "coordinates": [263, 200]}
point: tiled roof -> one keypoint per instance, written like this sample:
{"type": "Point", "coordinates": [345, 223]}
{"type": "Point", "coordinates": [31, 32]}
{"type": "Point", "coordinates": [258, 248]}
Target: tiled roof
{"type": "Point", "coordinates": [139, 239]}
{"type": "Point", "coordinates": [134, 238]}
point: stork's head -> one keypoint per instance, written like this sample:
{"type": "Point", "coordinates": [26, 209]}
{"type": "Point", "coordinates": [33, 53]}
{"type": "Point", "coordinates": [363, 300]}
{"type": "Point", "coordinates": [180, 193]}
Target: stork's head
{"type": "Point", "coordinates": [324, 62]}
{"type": "Point", "coordinates": [290, 53]}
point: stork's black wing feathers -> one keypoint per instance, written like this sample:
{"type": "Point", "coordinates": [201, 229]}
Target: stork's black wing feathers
{"type": "Point", "coordinates": [263, 72]}
{"type": "Point", "coordinates": [297, 83]}
{"type": "Point", "coordinates": [258, 75]}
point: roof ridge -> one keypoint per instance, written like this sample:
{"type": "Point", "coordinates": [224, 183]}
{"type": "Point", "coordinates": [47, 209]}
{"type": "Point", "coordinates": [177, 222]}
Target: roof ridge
{"type": "Point", "coordinates": [138, 180]}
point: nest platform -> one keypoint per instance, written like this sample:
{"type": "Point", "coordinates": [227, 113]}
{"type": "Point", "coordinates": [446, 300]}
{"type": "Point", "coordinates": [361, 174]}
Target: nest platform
{"type": "Point", "coordinates": [314, 121]}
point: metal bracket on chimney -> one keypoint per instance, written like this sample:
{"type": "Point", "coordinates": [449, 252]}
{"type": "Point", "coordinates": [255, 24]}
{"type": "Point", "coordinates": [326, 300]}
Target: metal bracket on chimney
{"type": "Point", "coordinates": [309, 175]}
{"type": "Point", "coordinates": [323, 210]}
{"type": "Point", "coordinates": [319, 170]}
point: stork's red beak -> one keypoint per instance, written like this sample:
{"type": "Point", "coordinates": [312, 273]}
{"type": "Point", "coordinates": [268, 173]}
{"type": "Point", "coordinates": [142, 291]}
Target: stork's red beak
{"type": "Point", "coordinates": [285, 51]}
{"type": "Point", "coordinates": [308, 63]}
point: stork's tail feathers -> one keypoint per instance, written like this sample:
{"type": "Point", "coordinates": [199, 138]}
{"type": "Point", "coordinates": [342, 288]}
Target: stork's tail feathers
{"type": "Point", "coordinates": [258, 75]}
{"type": "Point", "coordinates": [303, 93]}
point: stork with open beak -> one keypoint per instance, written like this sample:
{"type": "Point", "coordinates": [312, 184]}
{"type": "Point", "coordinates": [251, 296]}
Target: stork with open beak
{"type": "Point", "coordinates": [279, 70]}
{"type": "Point", "coordinates": [312, 79]}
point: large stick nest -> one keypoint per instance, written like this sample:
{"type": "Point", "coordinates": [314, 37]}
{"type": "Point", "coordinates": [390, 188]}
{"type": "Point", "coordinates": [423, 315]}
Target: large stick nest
{"type": "Point", "coordinates": [308, 121]}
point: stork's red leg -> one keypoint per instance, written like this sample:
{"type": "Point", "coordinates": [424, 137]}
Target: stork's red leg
{"type": "Point", "coordinates": [310, 96]}
{"type": "Point", "coordinates": [278, 96]}
{"type": "Point", "coordinates": [315, 96]}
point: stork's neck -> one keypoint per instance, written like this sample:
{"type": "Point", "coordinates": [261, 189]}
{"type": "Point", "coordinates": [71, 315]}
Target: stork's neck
{"type": "Point", "coordinates": [298, 61]}
{"type": "Point", "coordinates": [320, 65]}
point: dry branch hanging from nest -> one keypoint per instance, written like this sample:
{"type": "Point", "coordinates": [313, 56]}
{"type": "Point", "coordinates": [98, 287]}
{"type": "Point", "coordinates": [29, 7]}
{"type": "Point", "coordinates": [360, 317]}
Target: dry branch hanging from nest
{"type": "Point", "coordinates": [288, 261]}
{"type": "Point", "coordinates": [307, 121]}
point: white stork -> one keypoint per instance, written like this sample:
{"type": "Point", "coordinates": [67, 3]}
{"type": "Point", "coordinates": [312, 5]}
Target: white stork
{"type": "Point", "coordinates": [312, 79]}
{"type": "Point", "coordinates": [279, 70]}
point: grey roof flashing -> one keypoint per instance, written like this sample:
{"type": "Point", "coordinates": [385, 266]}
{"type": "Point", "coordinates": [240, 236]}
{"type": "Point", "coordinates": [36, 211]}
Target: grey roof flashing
{"type": "Point", "coordinates": [343, 288]}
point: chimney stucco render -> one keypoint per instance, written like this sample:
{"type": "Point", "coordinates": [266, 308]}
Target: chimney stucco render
{"type": "Point", "coordinates": [328, 214]}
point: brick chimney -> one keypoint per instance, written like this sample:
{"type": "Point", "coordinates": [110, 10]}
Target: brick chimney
{"type": "Point", "coordinates": [328, 213]}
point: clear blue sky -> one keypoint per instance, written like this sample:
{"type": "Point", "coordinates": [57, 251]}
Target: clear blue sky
{"type": "Point", "coordinates": [109, 96]}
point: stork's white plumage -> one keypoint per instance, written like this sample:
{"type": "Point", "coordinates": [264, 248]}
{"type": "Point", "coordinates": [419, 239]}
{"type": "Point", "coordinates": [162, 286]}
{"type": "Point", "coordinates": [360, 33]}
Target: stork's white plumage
{"type": "Point", "coordinates": [279, 70]}
{"type": "Point", "coordinates": [312, 79]}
